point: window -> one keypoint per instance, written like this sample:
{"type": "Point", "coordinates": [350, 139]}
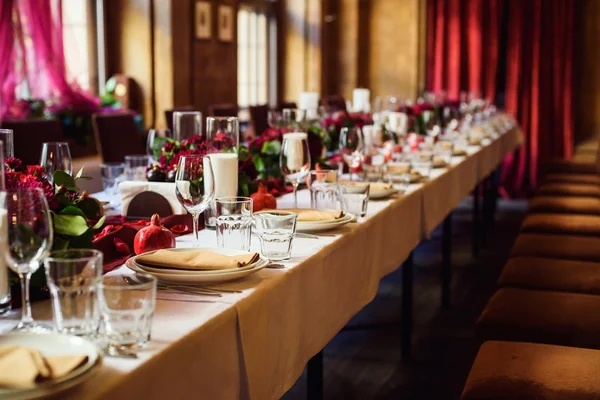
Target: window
{"type": "Point", "coordinates": [253, 57]}
{"type": "Point", "coordinates": [79, 42]}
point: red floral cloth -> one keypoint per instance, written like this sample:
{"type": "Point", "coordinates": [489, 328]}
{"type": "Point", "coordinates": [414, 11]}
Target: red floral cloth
{"type": "Point", "coordinates": [116, 238]}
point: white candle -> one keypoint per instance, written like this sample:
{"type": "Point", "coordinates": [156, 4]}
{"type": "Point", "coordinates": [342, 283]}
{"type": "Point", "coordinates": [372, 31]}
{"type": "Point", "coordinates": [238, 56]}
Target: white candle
{"type": "Point", "coordinates": [294, 150]}
{"type": "Point", "coordinates": [397, 122]}
{"type": "Point", "coordinates": [361, 100]}
{"type": "Point", "coordinates": [309, 101]}
{"type": "Point", "coordinates": [225, 173]}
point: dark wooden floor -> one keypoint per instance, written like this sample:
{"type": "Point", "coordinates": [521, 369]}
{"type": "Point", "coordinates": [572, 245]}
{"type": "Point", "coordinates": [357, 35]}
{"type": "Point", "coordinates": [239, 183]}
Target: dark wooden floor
{"type": "Point", "coordinates": [365, 364]}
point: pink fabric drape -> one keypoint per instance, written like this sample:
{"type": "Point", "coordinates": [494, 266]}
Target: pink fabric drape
{"type": "Point", "coordinates": [41, 56]}
{"type": "Point", "coordinates": [7, 81]}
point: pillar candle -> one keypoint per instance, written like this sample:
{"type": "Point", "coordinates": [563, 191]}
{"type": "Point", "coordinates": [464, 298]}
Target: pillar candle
{"type": "Point", "coordinates": [309, 101]}
{"type": "Point", "coordinates": [225, 173]}
{"type": "Point", "coordinates": [361, 100]}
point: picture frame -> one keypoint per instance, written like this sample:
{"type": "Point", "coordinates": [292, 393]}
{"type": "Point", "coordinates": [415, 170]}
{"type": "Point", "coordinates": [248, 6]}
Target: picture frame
{"type": "Point", "coordinates": [202, 20]}
{"type": "Point", "coordinates": [225, 23]}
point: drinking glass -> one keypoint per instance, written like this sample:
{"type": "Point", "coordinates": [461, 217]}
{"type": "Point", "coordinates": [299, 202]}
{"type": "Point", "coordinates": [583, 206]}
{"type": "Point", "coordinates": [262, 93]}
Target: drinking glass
{"type": "Point", "coordinates": [275, 119]}
{"type": "Point", "coordinates": [351, 148]}
{"type": "Point", "coordinates": [294, 160]}
{"type": "Point", "coordinates": [355, 197]}
{"type": "Point", "coordinates": [73, 277]}
{"type": "Point", "coordinates": [442, 153]}
{"type": "Point", "coordinates": [186, 124]}
{"type": "Point", "coordinates": [56, 156]}
{"type": "Point", "coordinates": [276, 230]}
{"type": "Point", "coordinates": [112, 175]}
{"type": "Point", "coordinates": [4, 287]}
{"type": "Point", "coordinates": [194, 185]}
{"type": "Point", "coordinates": [136, 166]}
{"type": "Point", "coordinates": [25, 241]}
{"type": "Point", "coordinates": [154, 142]}
{"type": "Point", "coordinates": [223, 133]}
{"type": "Point", "coordinates": [234, 222]}
{"type": "Point", "coordinates": [399, 172]}
{"type": "Point", "coordinates": [324, 190]}
{"type": "Point", "coordinates": [422, 162]}
{"type": "Point", "coordinates": [126, 310]}
{"type": "Point", "coordinates": [7, 139]}
{"type": "Point", "coordinates": [293, 119]}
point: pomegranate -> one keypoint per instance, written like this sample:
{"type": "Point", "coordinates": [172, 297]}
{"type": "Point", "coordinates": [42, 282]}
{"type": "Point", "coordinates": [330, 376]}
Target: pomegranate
{"type": "Point", "coordinates": [153, 237]}
{"type": "Point", "coordinates": [263, 199]}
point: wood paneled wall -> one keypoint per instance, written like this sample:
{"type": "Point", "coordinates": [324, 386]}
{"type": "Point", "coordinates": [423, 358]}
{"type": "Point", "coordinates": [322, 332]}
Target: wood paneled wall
{"type": "Point", "coordinates": [153, 42]}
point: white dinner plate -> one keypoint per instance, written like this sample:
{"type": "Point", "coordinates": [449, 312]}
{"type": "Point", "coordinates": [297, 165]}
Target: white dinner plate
{"type": "Point", "coordinates": [52, 344]}
{"type": "Point", "coordinates": [381, 194]}
{"type": "Point", "coordinates": [204, 279]}
{"type": "Point", "coordinates": [227, 252]}
{"type": "Point", "coordinates": [321, 226]}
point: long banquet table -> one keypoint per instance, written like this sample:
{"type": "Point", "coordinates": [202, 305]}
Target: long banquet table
{"type": "Point", "coordinates": [255, 344]}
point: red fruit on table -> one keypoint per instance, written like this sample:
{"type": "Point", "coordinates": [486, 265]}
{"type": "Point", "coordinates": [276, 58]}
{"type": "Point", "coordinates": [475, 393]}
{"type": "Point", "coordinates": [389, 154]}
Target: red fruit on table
{"type": "Point", "coordinates": [368, 159]}
{"type": "Point", "coordinates": [263, 199]}
{"type": "Point", "coordinates": [153, 237]}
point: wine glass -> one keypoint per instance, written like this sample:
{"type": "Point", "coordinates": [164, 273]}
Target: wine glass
{"type": "Point", "coordinates": [195, 185]}
{"type": "Point", "coordinates": [293, 119]}
{"type": "Point", "coordinates": [275, 119]}
{"type": "Point", "coordinates": [294, 159]}
{"type": "Point", "coordinates": [56, 156]}
{"type": "Point", "coordinates": [25, 242]}
{"type": "Point", "coordinates": [351, 148]}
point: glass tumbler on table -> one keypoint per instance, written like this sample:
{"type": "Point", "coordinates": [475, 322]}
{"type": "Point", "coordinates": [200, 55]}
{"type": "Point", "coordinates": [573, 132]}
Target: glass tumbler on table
{"type": "Point", "coordinates": [56, 156]}
{"type": "Point", "coordinates": [294, 160]}
{"type": "Point", "coordinates": [112, 175]}
{"type": "Point", "coordinates": [355, 197]}
{"type": "Point", "coordinates": [73, 277]}
{"type": "Point", "coordinates": [422, 162]}
{"type": "Point", "coordinates": [136, 166]}
{"type": "Point", "coordinates": [234, 222]}
{"type": "Point", "coordinates": [324, 190]}
{"type": "Point", "coordinates": [26, 237]}
{"type": "Point", "coordinates": [126, 310]}
{"type": "Point", "coordinates": [276, 230]}
{"type": "Point", "coordinates": [194, 185]}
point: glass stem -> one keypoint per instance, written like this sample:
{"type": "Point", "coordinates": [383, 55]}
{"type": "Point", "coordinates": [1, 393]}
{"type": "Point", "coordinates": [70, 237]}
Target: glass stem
{"type": "Point", "coordinates": [25, 304]}
{"type": "Point", "coordinates": [295, 186]}
{"type": "Point", "coordinates": [196, 218]}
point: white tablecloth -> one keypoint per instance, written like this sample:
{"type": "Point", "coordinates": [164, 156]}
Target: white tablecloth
{"type": "Point", "coordinates": [255, 344]}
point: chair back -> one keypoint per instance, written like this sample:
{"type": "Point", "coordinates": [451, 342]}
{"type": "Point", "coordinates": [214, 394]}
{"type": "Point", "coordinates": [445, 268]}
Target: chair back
{"type": "Point", "coordinates": [259, 116]}
{"type": "Point", "coordinates": [169, 115]}
{"type": "Point", "coordinates": [28, 136]}
{"type": "Point", "coordinates": [223, 110]}
{"type": "Point", "coordinates": [286, 104]}
{"type": "Point", "coordinates": [146, 204]}
{"type": "Point", "coordinates": [334, 103]}
{"type": "Point", "coordinates": [117, 136]}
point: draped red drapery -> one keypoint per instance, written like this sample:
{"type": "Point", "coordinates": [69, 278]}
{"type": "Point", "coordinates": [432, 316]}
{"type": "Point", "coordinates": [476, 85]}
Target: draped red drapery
{"type": "Point", "coordinates": [463, 46]}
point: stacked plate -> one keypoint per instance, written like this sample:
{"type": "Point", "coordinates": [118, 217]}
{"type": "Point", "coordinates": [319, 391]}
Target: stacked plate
{"type": "Point", "coordinates": [53, 344]}
{"type": "Point", "coordinates": [320, 226]}
{"type": "Point", "coordinates": [172, 275]}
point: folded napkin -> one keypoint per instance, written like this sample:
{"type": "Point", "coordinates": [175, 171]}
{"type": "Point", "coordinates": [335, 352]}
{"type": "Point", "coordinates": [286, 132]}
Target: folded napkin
{"type": "Point", "coordinates": [310, 215]}
{"type": "Point", "coordinates": [195, 260]}
{"type": "Point", "coordinates": [380, 186]}
{"type": "Point", "coordinates": [22, 367]}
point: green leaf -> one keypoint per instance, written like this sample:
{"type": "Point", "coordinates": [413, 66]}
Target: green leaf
{"type": "Point", "coordinates": [99, 223]}
{"type": "Point", "coordinates": [62, 178]}
{"type": "Point", "coordinates": [271, 148]}
{"type": "Point", "coordinates": [72, 210]}
{"type": "Point", "coordinates": [83, 241]}
{"type": "Point", "coordinates": [90, 207]}
{"type": "Point", "coordinates": [70, 225]}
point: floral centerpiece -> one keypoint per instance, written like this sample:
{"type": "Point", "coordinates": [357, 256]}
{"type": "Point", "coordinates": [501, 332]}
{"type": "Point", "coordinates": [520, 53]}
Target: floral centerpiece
{"type": "Point", "coordinates": [334, 123]}
{"type": "Point", "coordinates": [75, 215]}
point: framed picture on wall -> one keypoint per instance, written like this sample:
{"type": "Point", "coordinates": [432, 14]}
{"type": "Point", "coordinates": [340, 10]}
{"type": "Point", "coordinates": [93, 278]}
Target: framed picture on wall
{"type": "Point", "coordinates": [202, 20]}
{"type": "Point", "coordinates": [225, 23]}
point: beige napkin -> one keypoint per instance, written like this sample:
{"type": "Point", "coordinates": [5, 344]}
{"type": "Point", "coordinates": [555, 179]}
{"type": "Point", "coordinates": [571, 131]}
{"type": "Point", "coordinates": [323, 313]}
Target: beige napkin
{"type": "Point", "coordinates": [21, 367]}
{"type": "Point", "coordinates": [309, 215]}
{"type": "Point", "coordinates": [195, 260]}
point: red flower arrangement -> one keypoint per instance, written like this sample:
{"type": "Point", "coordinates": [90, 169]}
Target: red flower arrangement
{"type": "Point", "coordinates": [334, 123]}
{"type": "Point", "coordinates": [18, 176]}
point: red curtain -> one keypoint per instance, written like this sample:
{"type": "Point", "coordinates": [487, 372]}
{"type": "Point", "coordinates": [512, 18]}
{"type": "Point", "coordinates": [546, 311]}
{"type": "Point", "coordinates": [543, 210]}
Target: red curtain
{"type": "Point", "coordinates": [463, 46]}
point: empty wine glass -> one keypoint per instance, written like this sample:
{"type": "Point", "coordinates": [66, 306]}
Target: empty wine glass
{"type": "Point", "coordinates": [194, 185]}
{"type": "Point", "coordinates": [275, 119]}
{"type": "Point", "coordinates": [154, 142]}
{"type": "Point", "coordinates": [25, 241]}
{"type": "Point", "coordinates": [56, 156]}
{"type": "Point", "coordinates": [294, 159]}
{"type": "Point", "coordinates": [293, 119]}
{"type": "Point", "coordinates": [351, 148]}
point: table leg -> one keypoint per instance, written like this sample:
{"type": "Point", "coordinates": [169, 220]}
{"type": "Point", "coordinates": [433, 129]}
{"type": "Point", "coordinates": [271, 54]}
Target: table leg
{"type": "Point", "coordinates": [407, 308]}
{"type": "Point", "coordinates": [314, 377]}
{"type": "Point", "coordinates": [447, 261]}
{"type": "Point", "coordinates": [475, 228]}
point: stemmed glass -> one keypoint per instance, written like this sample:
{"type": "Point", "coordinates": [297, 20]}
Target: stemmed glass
{"type": "Point", "coordinates": [293, 119]}
{"type": "Point", "coordinates": [294, 160]}
{"type": "Point", "coordinates": [56, 156]}
{"type": "Point", "coordinates": [25, 242]}
{"type": "Point", "coordinates": [195, 185]}
{"type": "Point", "coordinates": [275, 119]}
{"type": "Point", "coordinates": [351, 148]}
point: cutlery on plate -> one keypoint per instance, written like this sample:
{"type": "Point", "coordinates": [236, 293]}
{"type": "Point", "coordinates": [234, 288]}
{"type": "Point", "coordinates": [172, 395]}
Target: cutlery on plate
{"type": "Point", "coordinates": [186, 290]}
{"type": "Point", "coordinates": [200, 288]}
